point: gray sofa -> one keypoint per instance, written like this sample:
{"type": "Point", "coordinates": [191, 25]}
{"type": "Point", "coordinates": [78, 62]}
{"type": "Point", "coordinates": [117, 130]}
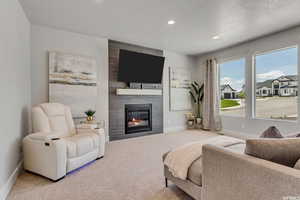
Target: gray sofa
{"type": "Point", "coordinates": [229, 174]}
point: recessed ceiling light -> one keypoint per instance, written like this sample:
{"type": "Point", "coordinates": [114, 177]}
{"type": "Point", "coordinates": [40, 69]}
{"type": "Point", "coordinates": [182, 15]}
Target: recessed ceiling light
{"type": "Point", "coordinates": [216, 37]}
{"type": "Point", "coordinates": [171, 22]}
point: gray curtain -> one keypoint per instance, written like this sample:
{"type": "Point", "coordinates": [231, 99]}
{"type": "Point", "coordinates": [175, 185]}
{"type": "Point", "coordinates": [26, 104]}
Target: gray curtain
{"type": "Point", "coordinates": [211, 101]}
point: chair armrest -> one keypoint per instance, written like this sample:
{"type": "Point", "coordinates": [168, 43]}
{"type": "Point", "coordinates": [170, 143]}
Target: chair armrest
{"type": "Point", "coordinates": [102, 138]}
{"type": "Point", "coordinates": [45, 156]}
{"type": "Point", "coordinates": [228, 175]}
{"type": "Point", "coordinates": [86, 130]}
{"type": "Point", "coordinates": [98, 131]}
{"type": "Point", "coordinates": [44, 136]}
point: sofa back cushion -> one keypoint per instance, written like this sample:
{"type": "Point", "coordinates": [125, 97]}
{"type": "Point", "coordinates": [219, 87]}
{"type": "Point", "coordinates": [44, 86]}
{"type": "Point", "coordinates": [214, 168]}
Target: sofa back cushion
{"type": "Point", "coordinates": [284, 151]}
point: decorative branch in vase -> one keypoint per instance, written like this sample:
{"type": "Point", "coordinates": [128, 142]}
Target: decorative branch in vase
{"type": "Point", "coordinates": [197, 94]}
{"type": "Point", "coordinates": [90, 115]}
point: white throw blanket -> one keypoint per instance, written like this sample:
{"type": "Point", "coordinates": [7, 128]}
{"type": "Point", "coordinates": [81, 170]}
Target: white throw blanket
{"type": "Point", "coordinates": [180, 159]}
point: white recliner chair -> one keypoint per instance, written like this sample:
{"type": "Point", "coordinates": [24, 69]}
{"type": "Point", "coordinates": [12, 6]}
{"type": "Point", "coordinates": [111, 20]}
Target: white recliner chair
{"type": "Point", "coordinates": [56, 147]}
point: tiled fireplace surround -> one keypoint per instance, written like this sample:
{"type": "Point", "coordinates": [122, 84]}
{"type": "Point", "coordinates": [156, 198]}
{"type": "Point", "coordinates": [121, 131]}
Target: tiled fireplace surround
{"type": "Point", "coordinates": [117, 104]}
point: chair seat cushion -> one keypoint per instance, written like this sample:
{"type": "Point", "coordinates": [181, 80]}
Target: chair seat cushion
{"type": "Point", "coordinates": [81, 144]}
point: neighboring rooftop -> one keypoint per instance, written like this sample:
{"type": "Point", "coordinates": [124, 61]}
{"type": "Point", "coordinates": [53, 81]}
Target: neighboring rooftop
{"type": "Point", "coordinates": [268, 83]}
{"type": "Point", "coordinates": [291, 77]}
{"type": "Point", "coordinates": [222, 87]}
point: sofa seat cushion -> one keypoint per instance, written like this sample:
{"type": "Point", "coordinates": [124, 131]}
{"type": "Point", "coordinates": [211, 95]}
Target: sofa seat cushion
{"type": "Point", "coordinates": [81, 144]}
{"type": "Point", "coordinates": [195, 170]}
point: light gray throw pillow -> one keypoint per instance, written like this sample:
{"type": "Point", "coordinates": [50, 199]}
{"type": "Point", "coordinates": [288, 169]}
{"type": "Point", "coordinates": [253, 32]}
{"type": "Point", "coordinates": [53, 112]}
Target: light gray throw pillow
{"type": "Point", "coordinates": [271, 132]}
{"type": "Point", "coordinates": [284, 151]}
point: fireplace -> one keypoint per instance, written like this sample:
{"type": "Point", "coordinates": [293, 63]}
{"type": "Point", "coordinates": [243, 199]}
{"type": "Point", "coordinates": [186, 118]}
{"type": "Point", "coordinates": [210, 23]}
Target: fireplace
{"type": "Point", "coordinates": [138, 118]}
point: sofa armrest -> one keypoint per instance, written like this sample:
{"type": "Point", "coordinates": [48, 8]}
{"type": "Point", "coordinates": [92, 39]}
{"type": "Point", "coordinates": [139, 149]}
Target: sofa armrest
{"type": "Point", "coordinates": [45, 156]}
{"type": "Point", "coordinates": [228, 175]}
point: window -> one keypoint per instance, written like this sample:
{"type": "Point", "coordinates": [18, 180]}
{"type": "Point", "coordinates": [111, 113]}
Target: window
{"type": "Point", "coordinates": [232, 88]}
{"type": "Point", "coordinates": [277, 71]}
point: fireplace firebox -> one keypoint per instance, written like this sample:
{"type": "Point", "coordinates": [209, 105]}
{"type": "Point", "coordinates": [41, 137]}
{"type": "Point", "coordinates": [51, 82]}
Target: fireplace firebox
{"type": "Point", "coordinates": [138, 118]}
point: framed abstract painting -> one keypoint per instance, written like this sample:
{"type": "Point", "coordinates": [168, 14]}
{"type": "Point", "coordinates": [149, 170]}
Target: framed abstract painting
{"type": "Point", "coordinates": [73, 81]}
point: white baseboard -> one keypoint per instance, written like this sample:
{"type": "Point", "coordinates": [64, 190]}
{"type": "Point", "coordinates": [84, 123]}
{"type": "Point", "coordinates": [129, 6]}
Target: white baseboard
{"type": "Point", "coordinates": [236, 134]}
{"type": "Point", "coordinates": [4, 191]}
{"type": "Point", "coordinates": [174, 129]}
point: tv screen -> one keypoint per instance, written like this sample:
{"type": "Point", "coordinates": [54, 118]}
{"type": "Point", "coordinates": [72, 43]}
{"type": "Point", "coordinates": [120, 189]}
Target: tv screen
{"type": "Point", "coordinates": [140, 68]}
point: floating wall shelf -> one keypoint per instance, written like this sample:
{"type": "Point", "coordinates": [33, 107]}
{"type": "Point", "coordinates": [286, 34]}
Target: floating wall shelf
{"type": "Point", "coordinates": [139, 92]}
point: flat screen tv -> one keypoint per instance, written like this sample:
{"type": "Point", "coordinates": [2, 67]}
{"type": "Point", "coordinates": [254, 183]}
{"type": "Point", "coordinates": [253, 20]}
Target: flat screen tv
{"type": "Point", "coordinates": [140, 68]}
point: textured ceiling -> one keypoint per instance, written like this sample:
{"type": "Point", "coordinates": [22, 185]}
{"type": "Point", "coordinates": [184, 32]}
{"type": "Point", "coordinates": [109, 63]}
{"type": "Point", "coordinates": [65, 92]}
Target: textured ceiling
{"type": "Point", "coordinates": [144, 22]}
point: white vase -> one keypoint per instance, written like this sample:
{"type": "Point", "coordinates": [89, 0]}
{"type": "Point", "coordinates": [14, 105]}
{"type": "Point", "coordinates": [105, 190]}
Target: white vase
{"type": "Point", "coordinates": [190, 123]}
{"type": "Point", "coordinates": [198, 120]}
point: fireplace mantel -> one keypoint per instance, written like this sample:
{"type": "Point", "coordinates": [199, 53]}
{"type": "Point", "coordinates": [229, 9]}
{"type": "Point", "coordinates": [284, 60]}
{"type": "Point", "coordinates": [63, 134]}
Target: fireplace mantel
{"type": "Point", "coordinates": [139, 92]}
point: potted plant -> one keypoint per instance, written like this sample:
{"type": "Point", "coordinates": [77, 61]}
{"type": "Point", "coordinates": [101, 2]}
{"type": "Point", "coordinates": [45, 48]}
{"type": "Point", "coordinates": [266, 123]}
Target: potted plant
{"type": "Point", "coordinates": [190, 119]}
{"type": "Point", "coordinates": [90, 115]}
{"type": "Point", "coordinates": [197, 94]}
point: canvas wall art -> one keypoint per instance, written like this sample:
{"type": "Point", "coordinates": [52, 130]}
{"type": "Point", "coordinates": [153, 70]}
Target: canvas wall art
{"type": "Point", "coordinates": [73, 81]}
{"type": "Point", "coordinates": [180, 80]}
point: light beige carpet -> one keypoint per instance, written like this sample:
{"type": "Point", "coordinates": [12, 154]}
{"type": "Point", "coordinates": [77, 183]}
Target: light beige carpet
{"type": "Point", "coordinates": [131, 170]}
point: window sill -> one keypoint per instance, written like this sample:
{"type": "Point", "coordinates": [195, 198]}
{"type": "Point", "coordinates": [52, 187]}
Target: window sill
{"type": "Point", "coordinates": [270, 120]}
{"type": "Point", "coordinates": [276, 120]}
{"type": "Point", "coordinates": [240, 117]}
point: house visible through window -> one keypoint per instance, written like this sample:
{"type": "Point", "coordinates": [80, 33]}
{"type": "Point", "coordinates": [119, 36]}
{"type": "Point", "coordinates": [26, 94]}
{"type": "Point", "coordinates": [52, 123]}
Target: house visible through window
{"type": "Point", "coordinates": [277, 84]}
{"type": "Point", "coordinates": [232, 88]}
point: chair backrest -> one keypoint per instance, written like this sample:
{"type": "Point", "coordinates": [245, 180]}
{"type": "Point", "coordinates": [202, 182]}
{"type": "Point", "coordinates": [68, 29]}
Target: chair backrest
{"type": "Point", "coordinates": [53, 117]}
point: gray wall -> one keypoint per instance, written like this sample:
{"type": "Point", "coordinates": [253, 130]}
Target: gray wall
{"type": "Point", "coordinates": [249, 125]}
{"type": "Point", "coordinates": [117, 103]}
{"type": "Point", "coordinates": [44, 39]}
{"type": "Point", "coordinates": [15, 86]}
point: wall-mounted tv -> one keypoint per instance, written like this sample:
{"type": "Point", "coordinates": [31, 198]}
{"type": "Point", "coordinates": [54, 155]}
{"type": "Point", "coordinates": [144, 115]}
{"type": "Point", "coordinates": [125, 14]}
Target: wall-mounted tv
{"type": "Point", "coordinates": [140, 68]}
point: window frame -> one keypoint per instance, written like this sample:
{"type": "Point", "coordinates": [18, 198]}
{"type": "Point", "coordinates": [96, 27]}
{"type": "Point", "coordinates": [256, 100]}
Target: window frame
{"type": "Point", "coordinates": [230, 59]}
{"type": "Point", "coordinates": [253, 93]}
